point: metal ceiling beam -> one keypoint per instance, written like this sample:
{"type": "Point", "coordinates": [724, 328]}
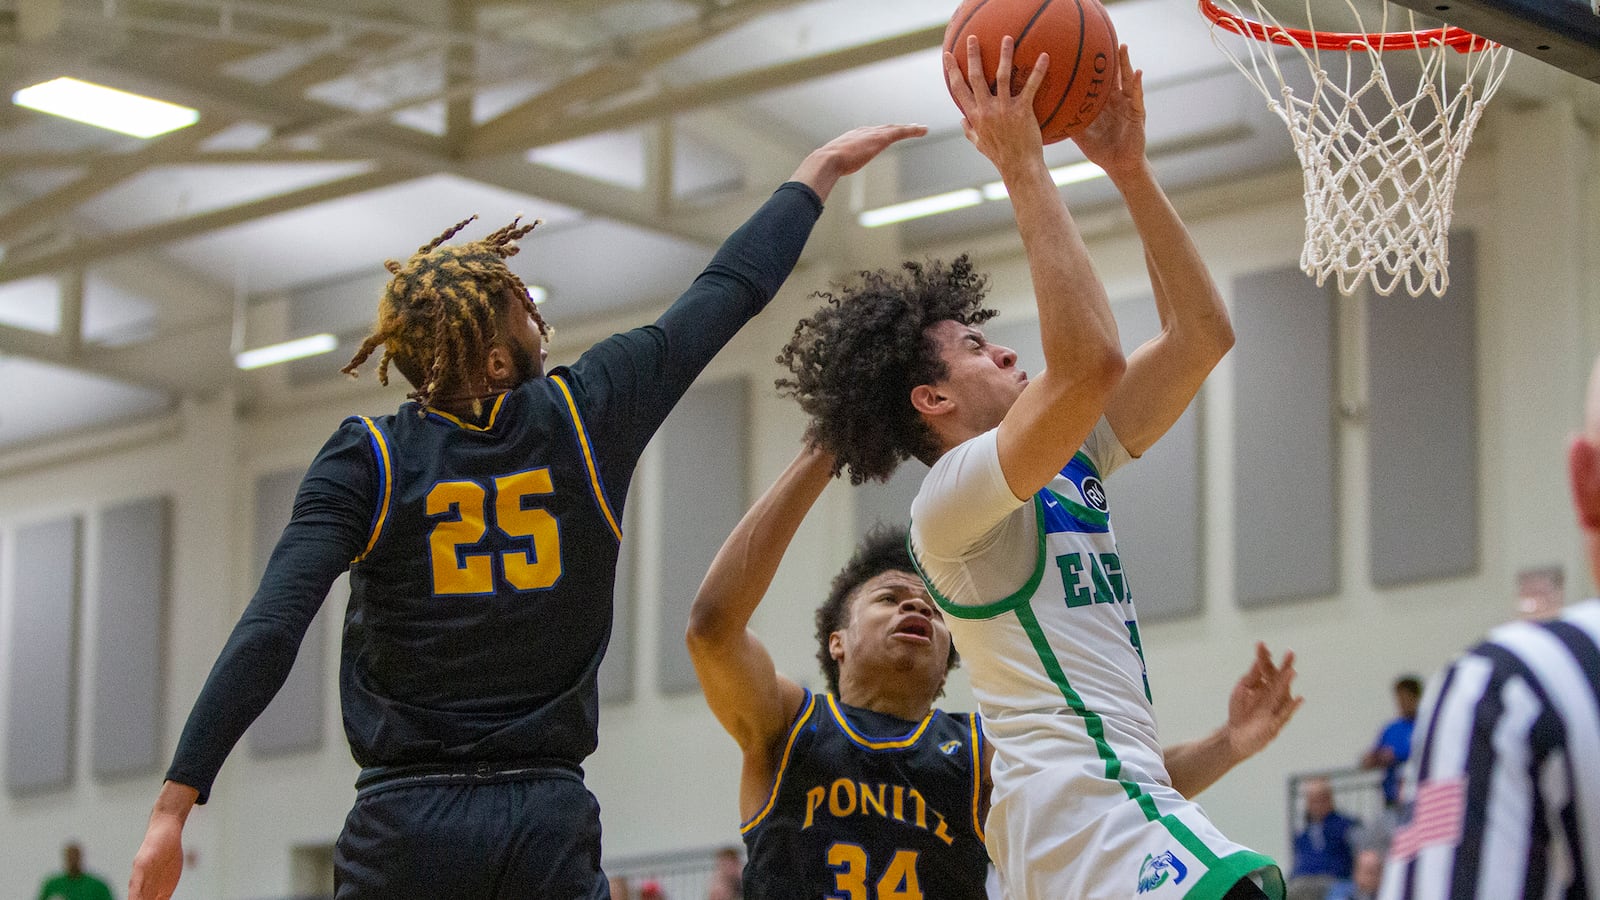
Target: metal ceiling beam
{"type": "Point", "coordinates": [103, 246]}
{"type": "Point", "coordinates": [104, 174]}
{"type": "Point", "coordinates": [727, 89]}
{"type": "Point", "coordinates": [622, 71]}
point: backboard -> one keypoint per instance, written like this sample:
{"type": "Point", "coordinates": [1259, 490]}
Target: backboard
{"type": "Point", "coordinates": [1563, 33]}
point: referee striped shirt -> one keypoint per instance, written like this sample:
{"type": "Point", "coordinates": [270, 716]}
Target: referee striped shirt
{"type": "Point", "coordinates": [1507, 782]}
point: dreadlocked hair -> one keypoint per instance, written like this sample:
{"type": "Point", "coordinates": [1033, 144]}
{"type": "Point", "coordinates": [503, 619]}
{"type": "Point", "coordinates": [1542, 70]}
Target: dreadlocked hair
{"type": "Point", "coordinates": [855, 361]}
{"type": "Point", "coordinates": [884, 549]}
{"type": "Point", "coordinates": [439, 314]}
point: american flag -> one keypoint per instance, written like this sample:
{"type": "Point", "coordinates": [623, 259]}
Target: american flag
{"type": "Point", "coordinates": [1435, 818]}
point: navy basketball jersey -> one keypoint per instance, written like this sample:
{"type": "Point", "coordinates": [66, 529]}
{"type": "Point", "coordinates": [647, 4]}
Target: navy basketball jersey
{"type": "Point", "coordinates": [482, 532]}
{"type": "Point", "coordinates": [871, 807]}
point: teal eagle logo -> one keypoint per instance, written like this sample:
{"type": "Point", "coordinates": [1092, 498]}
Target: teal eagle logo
{"type": "Point", "coordinates": [1155, 870]}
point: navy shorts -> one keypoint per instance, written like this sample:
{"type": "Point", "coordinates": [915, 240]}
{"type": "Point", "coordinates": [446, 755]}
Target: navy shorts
{"type": "Point", "coordinates": [507, 835]}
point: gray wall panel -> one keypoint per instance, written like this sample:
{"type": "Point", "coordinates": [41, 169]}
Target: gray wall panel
{"type": "Point", "coordinates": [889, 502]}
{"type": "Point", "coordinates": [292, 722]}
{"type": "Point", "coordinates": [43, 657]}
{"type": "Point", "coordinates": [1423, 421]}
{"type": "Point", "coordinates": [130, 616]}
{"type": "Point", "coordinates": [704, 473]}
{"type": "Point", "coordinates": [1155, 499]}
{"type": "Point", "coordinates": [1285, 450]}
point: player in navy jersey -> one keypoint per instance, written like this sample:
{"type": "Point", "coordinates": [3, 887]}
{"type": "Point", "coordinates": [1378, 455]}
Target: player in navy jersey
{"type": "Point", "coordinates": [867, 791]}
{"type": "Point", "coordinates": [480, 528]}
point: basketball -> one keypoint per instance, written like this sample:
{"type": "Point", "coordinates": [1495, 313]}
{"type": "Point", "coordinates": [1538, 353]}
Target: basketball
{"type": "Point", "coordinates": [1077, 34]}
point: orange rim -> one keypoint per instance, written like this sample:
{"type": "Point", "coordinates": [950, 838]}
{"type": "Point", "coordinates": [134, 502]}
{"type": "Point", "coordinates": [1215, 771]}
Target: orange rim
{"type": "Point", "coordinates": [1459, 39]}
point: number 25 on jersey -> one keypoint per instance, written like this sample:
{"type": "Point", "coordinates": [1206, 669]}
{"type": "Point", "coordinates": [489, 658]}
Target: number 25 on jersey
{"type": "Point", "coordinates": [465, 510]}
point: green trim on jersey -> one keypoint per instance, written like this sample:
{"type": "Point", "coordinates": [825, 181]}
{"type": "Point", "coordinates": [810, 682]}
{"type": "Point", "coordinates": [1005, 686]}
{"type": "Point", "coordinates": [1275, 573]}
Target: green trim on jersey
{"type": "Point", "coordinates": [1078, 510]}
{"type": "Point", "coordinates": [1221, 874]}
{"type": "Point", "coordinates": [1005, 604]}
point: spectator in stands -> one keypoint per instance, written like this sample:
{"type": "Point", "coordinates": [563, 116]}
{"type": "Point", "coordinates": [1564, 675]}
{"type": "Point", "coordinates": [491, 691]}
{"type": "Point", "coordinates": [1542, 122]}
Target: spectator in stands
{"type": "Point", "coordinates": [650, 889]}
{"type": "Point", "coordinates": [1322, 850]}
{"type": "Point", "coordinates": [1368, 876]}
{"type": "Point", "coordinates": [1394, 742]}
{"type": "Point", "coordinates": [727, 878]}
{"type": "Point", "coordinates": [620, 888]}
{"type": "Point", "coordinates": [73, 883]}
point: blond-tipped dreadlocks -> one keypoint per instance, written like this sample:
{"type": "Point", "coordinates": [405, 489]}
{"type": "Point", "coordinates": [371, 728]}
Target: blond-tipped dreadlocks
{"type": "Point", "coordinates": [439, 314]}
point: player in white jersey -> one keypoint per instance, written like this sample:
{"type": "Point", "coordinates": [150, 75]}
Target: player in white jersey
{"type": "Point", "coordinates": [1012, 527]}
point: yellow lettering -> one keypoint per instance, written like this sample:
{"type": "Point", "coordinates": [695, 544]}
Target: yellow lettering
{"type": "Point", "coordinates": [942, 832]}
{"type": "Point", "coordinates": [868, 800]}
{"type": "Point", "coordinates": [840, 810]}
{"type": "Point", "coordinates": [813, 800]}
{"type": "Point", "coordinates": [922, 809]}
{"type": "Point", "coordinates": [899, 803]}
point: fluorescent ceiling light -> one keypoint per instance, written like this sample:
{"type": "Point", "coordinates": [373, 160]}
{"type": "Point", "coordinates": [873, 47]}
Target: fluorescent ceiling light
{"type": "Point", "coordinates": [916, 209]}
{"type": "Point", "coordinates": [994, 190]}
{"type": "Point", "coordinates": [1061, 175]}
{"type": "Point", "coordinates": [273, 354]}
{"type": "Point", "coordinates": [105, 107]}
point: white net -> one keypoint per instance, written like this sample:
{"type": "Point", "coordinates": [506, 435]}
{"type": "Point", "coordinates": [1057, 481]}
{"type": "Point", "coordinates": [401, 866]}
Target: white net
{"type": "Point", "coordinates": [1381, 159]}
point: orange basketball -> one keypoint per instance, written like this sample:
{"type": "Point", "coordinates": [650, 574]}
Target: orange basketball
{"type": "Point", "coordinates": [1077, 34]}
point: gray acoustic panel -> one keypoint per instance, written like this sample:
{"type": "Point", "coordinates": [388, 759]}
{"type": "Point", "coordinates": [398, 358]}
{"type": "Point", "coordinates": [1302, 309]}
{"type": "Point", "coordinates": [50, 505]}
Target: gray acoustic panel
{"type": "Point", "coordinates": [1423, 422]}
{"type": "Point", "coordinates": [1285, 447]}
{"type": "Point", "coordinates": [43, 657]}
{"type": "Point", "coordinates": [1155, 499]}
{"type": "Point", "coordinates": [703, 494]}
{"type": "Point", "coordinates": [615, 678]}
{"type": "Point", "coordinates": [292, 722]}
{"type": "Point", "coordinates": [888, 503]}
{"type": "Point", "coordinates": [130, 616]}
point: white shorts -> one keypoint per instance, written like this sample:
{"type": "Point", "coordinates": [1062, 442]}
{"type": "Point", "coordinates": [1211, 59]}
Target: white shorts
{"type": "Point", "coordinates": [1063, 833]}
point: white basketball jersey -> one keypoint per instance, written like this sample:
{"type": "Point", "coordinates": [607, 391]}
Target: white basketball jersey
{"type": "Point", "coordinates": [1041, 609]}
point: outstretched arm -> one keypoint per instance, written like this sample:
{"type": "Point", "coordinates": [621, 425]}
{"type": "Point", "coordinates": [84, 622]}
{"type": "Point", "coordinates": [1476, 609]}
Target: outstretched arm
{"type": "Point", "coordinates": [751, 700]}
{"type": "Point", "coordinates": [1083, 357]}
{"type": "Point", "coordinates": [1260, 706]}
{"type": "Point", "coordinates": [629, 383]}
{"type": "Point", "coordinates": [1165, 372]}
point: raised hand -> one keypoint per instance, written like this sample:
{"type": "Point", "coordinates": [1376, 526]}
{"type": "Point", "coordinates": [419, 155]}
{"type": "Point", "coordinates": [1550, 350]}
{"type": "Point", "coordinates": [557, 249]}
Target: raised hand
{"type": "Point", "coordinates": [1114, 141]}
{"type": "Point", "coordinates": [1000, 124]}
{"type": "Point", "coordinates": [848, 152]}
{"type": "Point", "coordinates": [1261, 703]}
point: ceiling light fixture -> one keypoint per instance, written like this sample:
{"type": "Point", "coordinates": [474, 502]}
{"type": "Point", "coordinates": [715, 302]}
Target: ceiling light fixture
{"type": "Point", "coordinates": [1072, 173]}
{"type": "Point", "coordinates": [272, 354]}
{"type": "Point", "coordinates": [924, 206]}
{"type": "Point", "coordinates": [104, 107]}
{"type": "Point", "coordinates": [994, 190]}
{"type": "Point", "coordinates": [537, 294]}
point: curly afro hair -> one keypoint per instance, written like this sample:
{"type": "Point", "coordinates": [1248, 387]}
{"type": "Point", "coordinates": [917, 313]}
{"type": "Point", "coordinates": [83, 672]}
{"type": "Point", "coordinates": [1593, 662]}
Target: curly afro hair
{"type": "Point", "coordinates": [855, 361]}
{"type": "Point", "coordinates": [884, 549]}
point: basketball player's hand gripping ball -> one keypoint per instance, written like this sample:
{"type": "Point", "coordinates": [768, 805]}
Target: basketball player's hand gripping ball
{"type": "Point", "coordinates": [1078, 36]}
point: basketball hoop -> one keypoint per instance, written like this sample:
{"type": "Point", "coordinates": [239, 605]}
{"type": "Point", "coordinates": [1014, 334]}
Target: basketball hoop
{"type": "Point", "coordinates": [1380, 162]}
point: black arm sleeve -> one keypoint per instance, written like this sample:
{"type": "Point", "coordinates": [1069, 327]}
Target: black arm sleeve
{"type": "Point", "coordinates": [629, 382]}
{"type": "Point", "coordinates": [330, 526]}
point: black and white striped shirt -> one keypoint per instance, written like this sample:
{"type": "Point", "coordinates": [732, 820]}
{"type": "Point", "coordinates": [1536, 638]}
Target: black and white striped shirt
{"type": "Point", "coordinates": [1506, 799]}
